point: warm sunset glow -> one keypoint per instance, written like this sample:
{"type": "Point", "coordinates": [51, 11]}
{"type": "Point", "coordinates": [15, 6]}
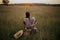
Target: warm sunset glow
{"type": "Point", "coordinates": [0, 1]}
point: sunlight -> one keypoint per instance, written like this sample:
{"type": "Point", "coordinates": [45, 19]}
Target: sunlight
{"type": "Point", "coordinates": [0, 1]}
{"type": "Point", "coordinates": [30, 1]}
{"type": "Point", "coordinates": [33, 1]}
{"type": "Point", "coordinates": [36, 1]}
{"type": "Point", "coordinates": [18, 1]}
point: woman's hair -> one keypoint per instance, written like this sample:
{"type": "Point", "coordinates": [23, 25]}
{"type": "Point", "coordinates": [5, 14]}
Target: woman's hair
{"type": "Point", "coordinates": [27, 14]}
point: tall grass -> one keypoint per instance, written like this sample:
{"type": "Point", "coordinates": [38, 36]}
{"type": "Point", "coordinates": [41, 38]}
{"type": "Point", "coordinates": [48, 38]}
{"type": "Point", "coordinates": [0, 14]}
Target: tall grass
{"type": "Point", "coordinates": [11, 21]}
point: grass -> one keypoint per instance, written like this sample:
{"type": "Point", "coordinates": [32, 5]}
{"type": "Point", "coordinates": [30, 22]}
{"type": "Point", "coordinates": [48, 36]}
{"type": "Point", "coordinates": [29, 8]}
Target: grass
{"type": "Point", "coordinates": [48, 18]}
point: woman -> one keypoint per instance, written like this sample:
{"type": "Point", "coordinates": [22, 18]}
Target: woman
{"type": "Point", "coordinates": [29, 22]}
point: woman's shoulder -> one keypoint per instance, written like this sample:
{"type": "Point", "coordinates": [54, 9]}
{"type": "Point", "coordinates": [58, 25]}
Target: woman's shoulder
{"type": "Point", "coordinates": [25, 19]}
{"type": "Point", "coordinates": [33, 18]}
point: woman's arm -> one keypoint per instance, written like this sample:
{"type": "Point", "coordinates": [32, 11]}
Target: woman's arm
{"type": "Point", "coordinates": [34, 23]}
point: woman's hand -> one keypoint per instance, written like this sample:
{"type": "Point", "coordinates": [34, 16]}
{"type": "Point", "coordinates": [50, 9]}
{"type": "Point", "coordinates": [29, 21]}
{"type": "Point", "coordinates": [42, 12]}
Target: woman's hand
{"type": "Point", "coordinates": [32, 25]}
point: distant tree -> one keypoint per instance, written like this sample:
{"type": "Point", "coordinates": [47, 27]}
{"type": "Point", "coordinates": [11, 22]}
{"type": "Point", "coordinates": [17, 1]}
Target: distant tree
{"type": "Point", "coordinates": [5, 2]}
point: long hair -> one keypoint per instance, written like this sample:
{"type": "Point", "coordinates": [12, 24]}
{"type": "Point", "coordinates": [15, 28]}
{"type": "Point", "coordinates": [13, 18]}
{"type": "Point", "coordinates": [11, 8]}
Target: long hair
{"type": "Point", "coordinates": [27, 15]}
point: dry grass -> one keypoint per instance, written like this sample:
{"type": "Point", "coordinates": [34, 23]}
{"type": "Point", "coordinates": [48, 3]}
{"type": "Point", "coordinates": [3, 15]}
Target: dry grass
{"type": "Point", "coordinates": [48, 18]}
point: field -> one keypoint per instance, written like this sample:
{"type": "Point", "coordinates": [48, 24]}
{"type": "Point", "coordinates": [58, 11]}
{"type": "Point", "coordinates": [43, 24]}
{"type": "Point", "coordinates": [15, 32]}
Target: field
{"type": "Point", "coordinates": [48, 18]}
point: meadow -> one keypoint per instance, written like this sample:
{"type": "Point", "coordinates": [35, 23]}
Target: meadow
{"type": "Point", "coordinates": [48, 18]}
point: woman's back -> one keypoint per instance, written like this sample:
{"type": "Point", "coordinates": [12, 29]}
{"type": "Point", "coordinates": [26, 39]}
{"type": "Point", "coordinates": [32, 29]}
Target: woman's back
{"type": "Point", "coordinates": [28, 21]}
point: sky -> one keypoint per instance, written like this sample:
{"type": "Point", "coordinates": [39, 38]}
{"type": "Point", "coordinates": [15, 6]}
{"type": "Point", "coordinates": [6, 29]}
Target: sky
{"type": "Point", "coordinates": [33, 1]}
